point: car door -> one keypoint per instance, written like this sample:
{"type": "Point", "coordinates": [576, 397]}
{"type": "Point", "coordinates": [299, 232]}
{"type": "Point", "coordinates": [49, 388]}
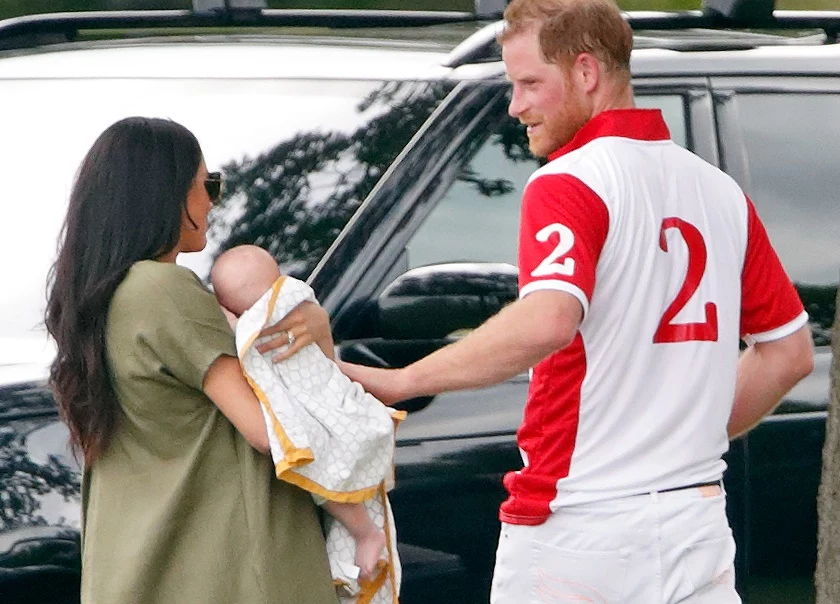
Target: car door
{"type": "Point", "coordinates": [457, 213]}
{"type": "Point", "coordinates": [780, 139]}
{"type": "Point", "coordinates": [39, 495]}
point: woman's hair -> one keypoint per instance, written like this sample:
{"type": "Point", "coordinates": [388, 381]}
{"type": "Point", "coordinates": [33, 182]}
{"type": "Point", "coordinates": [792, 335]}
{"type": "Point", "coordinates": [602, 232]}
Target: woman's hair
{"type": "Point", "coordinates": [126, 205]}
{"type": "Point", "coordinates": [569, 27]}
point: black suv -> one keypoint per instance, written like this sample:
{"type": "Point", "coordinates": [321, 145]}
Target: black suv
{"type": "Point", "coordinates": [372, 154]}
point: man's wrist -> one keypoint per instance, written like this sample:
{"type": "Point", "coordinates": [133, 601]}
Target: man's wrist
{"type": "Point", "coordinates": [406, 381]}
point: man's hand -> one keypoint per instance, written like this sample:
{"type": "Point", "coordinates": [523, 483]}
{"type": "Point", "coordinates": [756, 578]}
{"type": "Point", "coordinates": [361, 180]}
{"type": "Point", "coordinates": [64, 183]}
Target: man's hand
{"type": "Point", "coordinates": [305, 324]}
{"type": "Point", "coordinates": [385, 384]}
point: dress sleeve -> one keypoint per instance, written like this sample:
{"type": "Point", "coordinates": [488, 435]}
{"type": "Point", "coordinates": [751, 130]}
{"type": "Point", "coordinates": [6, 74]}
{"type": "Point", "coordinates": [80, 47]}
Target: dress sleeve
{"type": "Point", "coordinates": [185, 328]}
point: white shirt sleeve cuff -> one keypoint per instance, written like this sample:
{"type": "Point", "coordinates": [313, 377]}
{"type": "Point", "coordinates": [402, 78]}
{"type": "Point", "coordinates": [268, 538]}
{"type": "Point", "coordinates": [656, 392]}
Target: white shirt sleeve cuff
{"type": "Point", "coordinates": [779, 332]}
{"type": "Point", "coordinates": [562, 286]}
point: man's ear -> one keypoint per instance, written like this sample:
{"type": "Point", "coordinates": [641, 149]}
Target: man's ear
{"type": "Point", "coordinates": [587, 70]}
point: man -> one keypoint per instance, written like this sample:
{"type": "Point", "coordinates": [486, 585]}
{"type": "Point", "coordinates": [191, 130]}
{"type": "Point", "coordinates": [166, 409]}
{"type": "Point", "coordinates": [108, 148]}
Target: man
{"type": "Point", "coordinates": [640, 267]}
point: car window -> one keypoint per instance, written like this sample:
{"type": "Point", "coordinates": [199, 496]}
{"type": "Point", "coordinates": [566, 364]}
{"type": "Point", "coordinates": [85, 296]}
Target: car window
{"type": "Point", "coordinates": [793, 152]}
{"type": "Point", "coordinates": [298, 156]}
{"type": "Point", "coordinates": [477, 220]}
{"type": "Point", "coordinates": [673, 111]}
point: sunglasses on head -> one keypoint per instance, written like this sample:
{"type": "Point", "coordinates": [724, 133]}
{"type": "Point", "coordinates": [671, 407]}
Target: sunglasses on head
{"type": "Point", "coordinates": [213, 184]}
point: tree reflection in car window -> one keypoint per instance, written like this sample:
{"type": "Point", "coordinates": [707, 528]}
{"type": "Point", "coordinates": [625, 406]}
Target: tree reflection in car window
{"type": "Point", "coordinates": [300, 155]}
{"type": "Point", "coordinates": [37, 486]}
{"type": "Point", "coordinates": [793, 145]}
{"type": "Point", "coordinates": [477, 220]}
{"type": "Point", "coordinates": [296, 197]}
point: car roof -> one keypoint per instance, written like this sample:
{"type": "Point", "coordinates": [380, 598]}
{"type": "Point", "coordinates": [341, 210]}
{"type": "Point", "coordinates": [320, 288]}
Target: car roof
{"type": "Point", "coordinates": [389, 44]}
{"type": "Point", "coordinates": [232, 57]}
{"type": "Point", "coordinates": [762, 60]}
{"type": "Point", "coordinates": [371, 55]}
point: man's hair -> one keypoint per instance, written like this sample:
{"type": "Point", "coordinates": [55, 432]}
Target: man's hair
{"type": "Point", "coordinates": [567, 28]}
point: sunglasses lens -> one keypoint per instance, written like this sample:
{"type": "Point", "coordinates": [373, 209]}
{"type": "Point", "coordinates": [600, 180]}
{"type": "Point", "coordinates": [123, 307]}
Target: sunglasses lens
{"type": "Point", "coordinates": [213, 185]}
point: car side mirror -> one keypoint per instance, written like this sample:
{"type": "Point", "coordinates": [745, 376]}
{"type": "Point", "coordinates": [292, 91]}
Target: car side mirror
{"type": "Point", "coordinates": [432, 302]}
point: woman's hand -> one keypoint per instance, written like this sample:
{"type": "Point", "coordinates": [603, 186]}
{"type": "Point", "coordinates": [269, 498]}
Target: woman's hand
{"type": "Point", "coordinates": [305, 324]}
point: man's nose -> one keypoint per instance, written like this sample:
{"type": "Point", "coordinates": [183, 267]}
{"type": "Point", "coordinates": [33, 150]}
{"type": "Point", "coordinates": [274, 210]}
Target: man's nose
{"type": "Point", "coordinates": [515, 106]}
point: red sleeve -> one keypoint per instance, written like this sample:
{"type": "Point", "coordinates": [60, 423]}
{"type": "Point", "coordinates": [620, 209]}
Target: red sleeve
{"type": "Point", "coordinates": [562, 232]}
{"type": "Point", "coordinates": [769, 300]}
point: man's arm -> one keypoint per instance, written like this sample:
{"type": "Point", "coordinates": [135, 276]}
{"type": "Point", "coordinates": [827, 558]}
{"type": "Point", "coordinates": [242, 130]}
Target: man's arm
{"type": "Point", "coordinates": [514, 340]}
{"type": "Point", "coordinates": [766, 372]}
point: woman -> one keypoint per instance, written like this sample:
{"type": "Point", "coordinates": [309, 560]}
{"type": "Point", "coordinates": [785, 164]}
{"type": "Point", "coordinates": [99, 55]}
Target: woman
{"type": "Point", "coordinates": [179, 500]}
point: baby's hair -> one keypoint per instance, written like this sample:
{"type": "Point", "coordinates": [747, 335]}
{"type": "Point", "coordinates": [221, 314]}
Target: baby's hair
{"type": "Point", "coordinates": [241, 275]}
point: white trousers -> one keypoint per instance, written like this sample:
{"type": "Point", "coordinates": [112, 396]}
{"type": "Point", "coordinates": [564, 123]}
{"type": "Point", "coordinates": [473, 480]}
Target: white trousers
{"type": "Point", "coordinates": [657, 548]}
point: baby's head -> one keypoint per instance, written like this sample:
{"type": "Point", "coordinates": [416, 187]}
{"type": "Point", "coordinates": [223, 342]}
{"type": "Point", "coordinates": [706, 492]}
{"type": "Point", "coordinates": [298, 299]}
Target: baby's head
{"type": "Point", "coordinates": [241, 275]}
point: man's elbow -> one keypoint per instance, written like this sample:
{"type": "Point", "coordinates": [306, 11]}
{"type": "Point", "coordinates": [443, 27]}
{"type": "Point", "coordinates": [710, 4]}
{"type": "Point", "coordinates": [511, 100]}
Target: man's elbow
{"type": "Point", "coordinates": [804, 364]}
{"type": "Point", "coordinates": [557, 336]}
{"type": "Point", "coordinates": [799, 361]}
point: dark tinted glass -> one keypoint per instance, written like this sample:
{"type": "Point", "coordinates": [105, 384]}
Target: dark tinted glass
{"type": "Point", "coordinates": [793, 152]}
{"type": "Point", "coordinates": [477, 220]}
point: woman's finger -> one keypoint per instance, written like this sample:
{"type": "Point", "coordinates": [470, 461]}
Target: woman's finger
{"type": "Point", "coordinates": [288, 323]}
{"type": "Point", "coordinates": [297, 344]}
{"type": "Point", "coordinates": [277, 339]}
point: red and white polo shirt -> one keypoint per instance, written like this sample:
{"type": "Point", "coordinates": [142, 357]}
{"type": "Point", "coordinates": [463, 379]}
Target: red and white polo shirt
{"type": "Point", "coordinates": [672, 266]}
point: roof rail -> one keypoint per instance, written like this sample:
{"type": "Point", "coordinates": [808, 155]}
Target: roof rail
{"type": "Point", "coordinates": [37, 30]}
{"type": "Point", "coordinates": [482, 46]}
{"type": "Point", "coordinates": [207, 6]}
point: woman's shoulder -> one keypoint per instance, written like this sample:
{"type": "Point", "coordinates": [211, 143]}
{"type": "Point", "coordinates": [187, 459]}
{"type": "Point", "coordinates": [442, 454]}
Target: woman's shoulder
{"type": "Point", "coordinates": [151, 275]}
{"type": "Point", "coordinates": [151, 281]}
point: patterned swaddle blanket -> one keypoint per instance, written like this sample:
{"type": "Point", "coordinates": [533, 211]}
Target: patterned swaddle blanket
{"type": "Point", "coordinates": [327, 436]}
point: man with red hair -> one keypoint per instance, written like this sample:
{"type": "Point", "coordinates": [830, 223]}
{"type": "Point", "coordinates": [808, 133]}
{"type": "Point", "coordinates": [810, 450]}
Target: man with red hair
{"type": "Point", "coordinates": [640, 266]}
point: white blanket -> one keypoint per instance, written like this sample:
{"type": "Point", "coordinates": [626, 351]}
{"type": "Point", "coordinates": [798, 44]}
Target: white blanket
{"type": "Point", "coordinates": [327, 435]}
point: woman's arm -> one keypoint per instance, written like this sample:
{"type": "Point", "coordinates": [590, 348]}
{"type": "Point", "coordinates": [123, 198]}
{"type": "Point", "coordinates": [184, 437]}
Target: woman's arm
{"type": "Point", "coordinates": [227, 387]}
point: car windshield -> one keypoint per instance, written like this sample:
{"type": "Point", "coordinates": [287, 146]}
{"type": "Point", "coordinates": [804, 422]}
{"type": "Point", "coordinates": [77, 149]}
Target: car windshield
{"type": "Point", "coordinates": [298, 157]}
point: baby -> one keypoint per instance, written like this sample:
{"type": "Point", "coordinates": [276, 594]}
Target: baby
{"type": "Point", "coordinates": [303, 414]}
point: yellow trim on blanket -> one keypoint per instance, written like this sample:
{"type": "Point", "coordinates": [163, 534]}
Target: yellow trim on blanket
{"type": "Point", "coordinates": [386, 515]}
{"type": "Point", "coordinates": [310, 485]}
{"type": "Point", "coordinates": [292, 456]}
{"type": "Point", "coordinates": [368, 589]}
{"type": "Point", "coordinates": [275, 291]}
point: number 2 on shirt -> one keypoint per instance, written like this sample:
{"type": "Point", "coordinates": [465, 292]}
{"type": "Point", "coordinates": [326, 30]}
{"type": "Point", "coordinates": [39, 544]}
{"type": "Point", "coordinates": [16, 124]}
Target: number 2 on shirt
{"type": "Point", "coordinates": [564, 245]}
{"type": "Point", "coordinates": [669, 332]}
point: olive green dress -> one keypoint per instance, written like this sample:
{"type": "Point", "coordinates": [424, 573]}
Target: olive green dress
{"type": "Point", "coordinates": [180, 508]}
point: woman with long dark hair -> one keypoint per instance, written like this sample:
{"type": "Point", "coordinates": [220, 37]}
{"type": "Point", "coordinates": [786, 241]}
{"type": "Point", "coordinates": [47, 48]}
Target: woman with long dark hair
{"type": "Point", "coordinates": [179, 499]}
